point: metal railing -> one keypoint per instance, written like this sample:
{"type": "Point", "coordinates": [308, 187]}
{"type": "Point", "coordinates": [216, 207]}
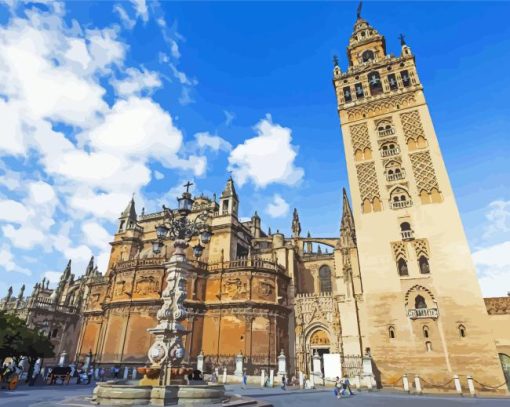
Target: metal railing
{"type": "Point", "coordinates": [407, 234]}
{"type": "Point", "coordinates": [386, 132]}
{"type": "Point", "coordinates": [395, 176]}
{"type": "Point", "coordinates": [401, 204]}
{"type": "Point", "coordinates": [416, 313]}
{"type": "Point", "coordinates": [390, 151]}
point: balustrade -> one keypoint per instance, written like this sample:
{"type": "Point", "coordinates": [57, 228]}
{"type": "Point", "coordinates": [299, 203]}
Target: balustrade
{"type": "Point", "coordinates": [390, 151]}
{"type": "Point", "coordinates": [401, 204]}
{"type": "Point", "coordinates": [395, 176]}
{"type": "Point", "coordinates": [417, 313]}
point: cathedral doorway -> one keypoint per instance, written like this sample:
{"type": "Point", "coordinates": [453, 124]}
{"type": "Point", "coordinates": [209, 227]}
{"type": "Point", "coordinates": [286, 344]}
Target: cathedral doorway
{"type": "Point", "coordinates": [319, 344]}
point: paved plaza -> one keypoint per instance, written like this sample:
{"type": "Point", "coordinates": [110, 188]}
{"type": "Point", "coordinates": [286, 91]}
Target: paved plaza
{"type": "Point", "coordinates": [79, 396]}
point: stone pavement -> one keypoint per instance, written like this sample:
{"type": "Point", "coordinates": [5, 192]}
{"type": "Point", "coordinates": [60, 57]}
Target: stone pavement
{"type": "Point", "coordinates": [78, 395]}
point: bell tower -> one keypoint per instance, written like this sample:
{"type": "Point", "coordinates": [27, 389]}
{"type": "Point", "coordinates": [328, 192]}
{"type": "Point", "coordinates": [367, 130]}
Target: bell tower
{"type": "Point", "coordinates": [422, 309]}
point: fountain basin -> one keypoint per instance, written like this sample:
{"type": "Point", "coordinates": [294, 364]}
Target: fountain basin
{"type": "Point", "coordinates": [118, 393]}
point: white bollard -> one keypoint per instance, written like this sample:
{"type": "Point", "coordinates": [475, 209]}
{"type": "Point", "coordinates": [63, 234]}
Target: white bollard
{"type": "Point", "coordinates": [271, 378]}
{"type": "Point", "coordinates": [405, 381]}
{"type": "Point", "coordinates": [200, 362]}
{"type": "Point", "coordinates": [126, 373]}
{"type": "Point", "coordinates": [417, 384]}
{"type": "Point", "coordinates": [262, 378]}
{"type": "Point", "coordinates": [471, 386]}
{"type": "Point", "coordinates": [133, 374]}
{"type": "Point", "coordinates": [312, 380]}
{"type": "Point", "coordinates": [301, 380]}
{"type": "Point", "coordinates": [458, 387]}
{"type": "Point", "coordinates": [224, 375]}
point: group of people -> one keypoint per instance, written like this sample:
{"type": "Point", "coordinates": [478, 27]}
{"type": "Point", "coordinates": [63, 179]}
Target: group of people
{"type": "Point", "coordinates": [342, 386]}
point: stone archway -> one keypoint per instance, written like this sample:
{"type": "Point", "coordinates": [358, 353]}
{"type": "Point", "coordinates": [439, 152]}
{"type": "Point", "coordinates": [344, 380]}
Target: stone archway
{"type": "Point", "coordinates": [318, 342]}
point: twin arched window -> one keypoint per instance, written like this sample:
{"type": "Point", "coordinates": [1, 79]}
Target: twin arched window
{"type": "Point", "coordinates": [368, 55]}
{"type": "Point", "coordinates": [325, 279]}
{"type": "Point", "coordinates": [374, 81]}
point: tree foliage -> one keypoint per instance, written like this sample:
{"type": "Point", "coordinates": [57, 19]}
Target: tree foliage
{"type": "Point", "coordinates": [17, 340]}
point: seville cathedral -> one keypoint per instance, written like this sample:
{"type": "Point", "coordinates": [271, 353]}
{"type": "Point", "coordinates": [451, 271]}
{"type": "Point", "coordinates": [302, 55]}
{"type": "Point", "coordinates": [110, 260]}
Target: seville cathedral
{"type": "Point", "coordinates": [396, 284]}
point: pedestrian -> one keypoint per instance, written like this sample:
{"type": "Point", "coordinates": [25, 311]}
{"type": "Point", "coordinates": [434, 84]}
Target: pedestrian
{"type": "Point", "coordinates": [245, 379]}
{"type": "Point", "coordinates": [284, 382]}
{"type": "Point", "coordinates": [90, 373]}
{"type": "Point", "coordinates": [116, 371]}
{"type": "Point", "coordinates": [347, 386]}
{"type": "Point", "coordinates": [338, 387]}
{"type": "Point", "coordinates": [101, 374]}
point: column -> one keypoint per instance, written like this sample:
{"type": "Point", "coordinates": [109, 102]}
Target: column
{"type": "Point", "coordinates": [368, 374]}
{"type": "Point", "coordinates": [405, 382]}
{"type": "Point", "coordinates": [458, 387]}
{"type": "Point", "coordinates": [271, 378]}
{"type": "Point", "coordinates": [282, 364]}
{"type": "Point", "coordinates": [224, 375]}
{"type": "Point", "coordinates": [200, 361]}
{"type": "Point", "coordinates": [471, 386]}
{"type": "Point", "coordinates": [239, 365]}
{"type": "Point", "coordinates": [262, 378]}
{"type": "Point", "coordinates": [417, 384]}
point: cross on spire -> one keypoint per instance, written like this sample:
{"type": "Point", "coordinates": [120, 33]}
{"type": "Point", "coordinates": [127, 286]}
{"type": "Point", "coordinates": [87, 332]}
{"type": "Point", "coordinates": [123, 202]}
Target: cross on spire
{"type": "Point", "coordinates": [358, 12]}
{"type": "Point", "coordinates": [187, 185]}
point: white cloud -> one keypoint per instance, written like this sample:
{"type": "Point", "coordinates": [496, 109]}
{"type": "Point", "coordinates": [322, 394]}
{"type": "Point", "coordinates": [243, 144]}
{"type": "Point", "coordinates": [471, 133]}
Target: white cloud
{"type": "Point", "coordinates": [127, 21]}
{"type": "Point", "coordinates": [215, 143]}
{"type": "Point", "coordinates": [136, 82]}
{"type": "Point", "coordinates": [493, 264]}
{"type": "Point", "coordinates": [267, 158]}
{"type": "Point", "coordinates": [498, 216]}
{"type": "Point", "coordinates": [96, 235]}
{"type": "Point", "coordinates": [8, 263]}
{"type": "Point", "coordinates": [141, 9]}
{"type": "Point", "coordinates": [13, 211]}
{"type": "Point", "coordinates": [229, 117]}
{"type": "Point", "coordinates": [278, 207]}
{"type": "Point", "coordinates": [158, 175]}
{"type": "Point", "coordinates": [24, 237]}
{"type": "Point", "coordinates": [41, 193]}
{"type": "Point", "coordinates": [53, 276]}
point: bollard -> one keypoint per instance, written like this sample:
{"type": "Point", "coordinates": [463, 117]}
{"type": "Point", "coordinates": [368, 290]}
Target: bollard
{"type": "Point", "coordinates": [312, 380]}
{"type": "Point", "coordinates": [301, 380]}
{"type": "Point", "coordinates": [471, 386]}
{"type": "Point", "coordinates": [369, 382]}
{"type": "Point", "coordinates": [133, 373]}
{"type": "Point", "coordinates": [200, 361]}
{"type": "Point", "coordinates": [282, 364]}
{"type": "Point", "coordinates": [271, 378]}
{"type": "Point", "coordinates": [417, 384]}
{"type": "Point", "coordinates": [262, 378]}
{"type": "Point", "coordinates": [126, 373]}
{"type": "Point", "coordinates": [405, 381]}
{"type": "Point", "coordinates": [224, 375]}
{"type": "Point", "coordinates": [458, 387]}
{"type": "Point", "coordinates": [357, 382]}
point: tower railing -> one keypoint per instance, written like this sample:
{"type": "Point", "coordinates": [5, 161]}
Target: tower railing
{"type": "Point", "coordinates": [386, 132]}
{"type": "Point", "coordinates": [390, 151]}
{"type": "Point", "coordinates": [396, 176]}
{"type": "Point", "coordinates": [401, 204]}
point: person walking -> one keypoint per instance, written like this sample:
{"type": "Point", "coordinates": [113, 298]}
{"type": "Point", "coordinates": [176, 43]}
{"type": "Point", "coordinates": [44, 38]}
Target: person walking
{"type": "Point", "coordinates": [90, 373]}
{"type": "Point", "coordinates": [346, 385]}
{"type": "Point", "coordinates": [284, 383]}
{"type": "Point", "coordinates": [245, 380]}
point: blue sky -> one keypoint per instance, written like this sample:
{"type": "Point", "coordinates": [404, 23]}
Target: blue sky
{"type": "Point", "coordinates": [100, 100]}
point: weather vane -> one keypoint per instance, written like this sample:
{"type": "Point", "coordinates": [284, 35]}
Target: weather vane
{"type": "Point", "coordinates": [358, 13]}
{"type": "Point", "coordinates": [402, 39]}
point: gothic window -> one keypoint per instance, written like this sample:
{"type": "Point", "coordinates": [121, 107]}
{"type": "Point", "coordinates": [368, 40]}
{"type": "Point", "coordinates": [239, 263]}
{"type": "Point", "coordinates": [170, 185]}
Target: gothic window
{"type": "Point", "coordinates": [406, 80]}
{"type": "Point", "coordinates": [426, 331]}
{"type": "Point", "coordinates": [402, 267]}
{"type": "Point", "coordinates": [419, 302]}
{"type": "Point", "coordinates": [367, 56]}
{"type": "Point", "coordinates": [462, 331]}
{"type": "Point", "coordinates": [325, 279]}
{"type": "Point", "coordinates": [359, 90]}
{"type": "Point", "coordinates": [424, 265]}
{"type": "Point", "coordinates": [347, 94]}
{"type": "Point", "coordinates": [374, 81]}
{"type": "Point", "coordinates": [391, 332]}
{"type": "Point", "coordinates": [392, 80]}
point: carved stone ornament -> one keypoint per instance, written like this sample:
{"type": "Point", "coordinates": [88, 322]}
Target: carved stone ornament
{"type": "Point", "coordinates": [158, 352]}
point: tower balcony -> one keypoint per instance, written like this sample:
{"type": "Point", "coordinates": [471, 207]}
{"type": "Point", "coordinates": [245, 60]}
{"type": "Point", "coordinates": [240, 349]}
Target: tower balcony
{"type": "Point", "coordinates": [390, 151]}
{"type": "Point", "coordinates": [407, 234]}
{"type": "Point", "coordinates": [401, 204]}
{"type": "Point", "coordinates": [395, 176]}
{"type": "Point", "coordinates": [386, 132]}
{"type": "Point", "coordinates": [418, 313]}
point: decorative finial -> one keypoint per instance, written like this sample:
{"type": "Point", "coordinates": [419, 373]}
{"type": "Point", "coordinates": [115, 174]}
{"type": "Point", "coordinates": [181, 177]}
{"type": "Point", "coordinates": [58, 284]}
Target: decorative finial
{"type": "Point", "coordinates": [402, 39]}
{"type": "Point", "coordinates": [187, 185]}
{"type": "Point", "coordinates": [335, 60]}
{"type": "Point", "coordinates": [358, 13]}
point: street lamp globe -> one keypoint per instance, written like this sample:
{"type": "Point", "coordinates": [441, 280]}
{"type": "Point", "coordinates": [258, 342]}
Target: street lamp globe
{"type": "Point", "coordinates": [161, 231]}
{"type": "Point", "coordinates": [197, 250]}
{"type": "Point", "coordinates": [205, 236]}
{"type": "Point", "coordinates": [156, 246]}
{"type": "Point", "coordinates": [185, 203]}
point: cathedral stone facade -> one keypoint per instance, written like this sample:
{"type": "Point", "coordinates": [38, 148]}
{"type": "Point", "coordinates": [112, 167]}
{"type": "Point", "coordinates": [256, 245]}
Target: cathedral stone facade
{"type": "Point", "coordinates": [397, 284]}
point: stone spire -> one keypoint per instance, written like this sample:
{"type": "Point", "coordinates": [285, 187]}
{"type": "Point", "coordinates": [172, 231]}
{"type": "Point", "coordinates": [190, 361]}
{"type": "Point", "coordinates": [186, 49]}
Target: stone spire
{"type": "Point", "coordinates": [296, 226]}
{"type": "Point", "coordinates": [229, 202]}
{"type": "Point", "coordinates": [9, 295]}
{"type": "Point", "coordinates": [230, 190]}
{"type": "Point", "coordinates": [347, 229]}
{"type": "Point", "coordinates": [67, 272]}
{"type": "Point", "coordinates": [90, 267]}
{"type": "Point", "coordinates": [130, 211]}
{"type": "Point", "coordinates": [21, 292]}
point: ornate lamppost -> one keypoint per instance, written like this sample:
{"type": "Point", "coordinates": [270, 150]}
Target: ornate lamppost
{"type": "Point", "coordinates": [167, 351]}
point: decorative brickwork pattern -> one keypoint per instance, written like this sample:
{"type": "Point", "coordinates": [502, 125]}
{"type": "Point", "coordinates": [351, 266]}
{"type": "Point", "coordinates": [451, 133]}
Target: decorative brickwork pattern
{"type": "Point", "coordinates": [424, 171]}
{"type": "Point", "coordinates": [399, 250]}
{"type": "Point", "coordinates": [382, 106]}
{"type": "Point", "coordinates": [359, 137]}
{"type": "Point", "coordinates": [411, 125]}
{"type": "Point", "coordinates": [421, 248]}
{"type": "Point", "coordinates": [367, 179]}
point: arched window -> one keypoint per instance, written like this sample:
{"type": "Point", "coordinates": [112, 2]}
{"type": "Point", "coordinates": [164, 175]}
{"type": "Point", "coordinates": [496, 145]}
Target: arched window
{"type": "Point", "coordinates": [426, 331]}
{"type": "Point", "coordinates": [402, 267]}
{"type": "Point", "coordinates": [374, 81]}
{"type": "Point", "coordinates": [428, 346]}
{"type": "Point", "coordinates": [405, 226]}
{"type": "Point", "coordinates": [391, 332]}
{"type": "Point", "coordinates": [325, 279]}
{"type": "Point", "coordinates": [367, 55]}
{"type": "Point", "coordinates": [462, 331]}
{"type": "Point", "coordinates": [419, 302]}
{"type": "Point", "coordinates": [424, 265]}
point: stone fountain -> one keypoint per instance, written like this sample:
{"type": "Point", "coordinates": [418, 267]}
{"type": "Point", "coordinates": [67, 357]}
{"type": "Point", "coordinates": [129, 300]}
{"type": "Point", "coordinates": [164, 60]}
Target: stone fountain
{"type": "Point", "coordinates": [164, 381]}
